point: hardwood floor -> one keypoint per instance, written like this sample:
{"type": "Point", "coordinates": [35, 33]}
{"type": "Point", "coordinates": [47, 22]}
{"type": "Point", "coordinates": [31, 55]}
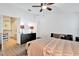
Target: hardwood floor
{"type": "Point", "coordinates": [0, 53]}
{"type": "Point", "coordinates": [7, 44]}
{"type": "Point", "coordinates": [18, 50]}
{"type": "Point", "coordinates": [11, 48]}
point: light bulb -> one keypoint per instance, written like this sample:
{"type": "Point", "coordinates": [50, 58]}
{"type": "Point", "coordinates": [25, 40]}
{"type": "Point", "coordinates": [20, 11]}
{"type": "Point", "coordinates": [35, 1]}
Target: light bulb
{"type": "Point", "coordinates": [44, 7]}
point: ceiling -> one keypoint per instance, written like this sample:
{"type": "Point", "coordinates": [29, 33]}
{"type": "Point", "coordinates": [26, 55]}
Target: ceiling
{"type": "Point", "coordinates": [26, 6]}
{"type": "Point", "coordinates": [66, 7]}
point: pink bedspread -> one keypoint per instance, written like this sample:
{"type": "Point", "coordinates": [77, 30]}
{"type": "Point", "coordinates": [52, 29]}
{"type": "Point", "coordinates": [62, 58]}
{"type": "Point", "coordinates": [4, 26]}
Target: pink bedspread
{"type": "Point", "coordinates": [59, 47]}
{"type": "Point", "coordinates": [52, 47]}
{"type": "Point", "coordinates": [36, 47]}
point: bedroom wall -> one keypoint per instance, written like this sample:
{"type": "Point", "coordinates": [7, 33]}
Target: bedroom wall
{"type": "Point", "coordinates": [78, 24]}
{"type": "Point", "coordinates": [57, 22]}
{"type": "Point", "coordinates": [27, 21]}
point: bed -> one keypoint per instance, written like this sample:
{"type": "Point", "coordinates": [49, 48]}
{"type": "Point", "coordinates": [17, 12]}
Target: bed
{"type": "Point", "coordinates": [52, 47]}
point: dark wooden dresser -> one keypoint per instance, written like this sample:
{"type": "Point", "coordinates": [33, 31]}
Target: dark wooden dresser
{"type": "Point", "coordinates": [27, 37]}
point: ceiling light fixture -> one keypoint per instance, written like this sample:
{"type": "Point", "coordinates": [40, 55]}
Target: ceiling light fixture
{"type": "Point", "coordinates": [44, 7]}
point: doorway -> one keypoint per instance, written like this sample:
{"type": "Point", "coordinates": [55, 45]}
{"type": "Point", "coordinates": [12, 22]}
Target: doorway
{"type": "Point", "coordinates": [9, 32]}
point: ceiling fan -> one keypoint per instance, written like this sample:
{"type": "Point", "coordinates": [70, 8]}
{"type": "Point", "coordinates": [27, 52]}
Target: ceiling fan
{"type": "Point", "coordinates": [44, 6]}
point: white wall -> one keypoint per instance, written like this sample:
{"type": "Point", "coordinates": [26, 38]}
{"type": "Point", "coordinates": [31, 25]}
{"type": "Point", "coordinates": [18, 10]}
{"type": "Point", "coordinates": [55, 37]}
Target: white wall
{"type": "Point", "coordinates": [29, 20]}
{"type": "Point", "coordinates": [57, 22]}
{"type": "Point", "coordinates": [78, 24]}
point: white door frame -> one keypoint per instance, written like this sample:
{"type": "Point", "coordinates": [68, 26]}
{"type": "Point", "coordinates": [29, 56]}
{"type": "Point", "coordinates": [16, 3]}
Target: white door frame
{"type": "Point", "coordinates": [18, 31]}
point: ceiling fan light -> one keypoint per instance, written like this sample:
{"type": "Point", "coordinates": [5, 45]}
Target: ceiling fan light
{"type": "Point", "coordinates": [44, 7]}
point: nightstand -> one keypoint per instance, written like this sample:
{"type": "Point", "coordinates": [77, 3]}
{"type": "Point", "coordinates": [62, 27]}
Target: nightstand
{"type": "Point", "coordinates": [77, 39]}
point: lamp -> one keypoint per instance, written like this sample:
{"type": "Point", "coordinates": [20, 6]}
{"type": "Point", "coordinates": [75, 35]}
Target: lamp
{"type": "Point", "coordinates": [44, 7]}
{"type": "Point", "coordinates": [31, 27]}
{"type": "Point", "coordinates": [22, 27]}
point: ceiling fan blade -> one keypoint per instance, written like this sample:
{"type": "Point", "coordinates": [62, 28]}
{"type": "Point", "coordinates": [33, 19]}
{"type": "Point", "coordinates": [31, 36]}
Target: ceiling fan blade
{"type": "Point", "coordinates": [49, 9]}
{"type": "Point", "coordinates": [40, 10]}
{"type": "Point", "coordinates": [41, 4]}
{"type": "Point", "coordinates": [50, 3]}
{"type": "Point", "coordinates": [36, 6]}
